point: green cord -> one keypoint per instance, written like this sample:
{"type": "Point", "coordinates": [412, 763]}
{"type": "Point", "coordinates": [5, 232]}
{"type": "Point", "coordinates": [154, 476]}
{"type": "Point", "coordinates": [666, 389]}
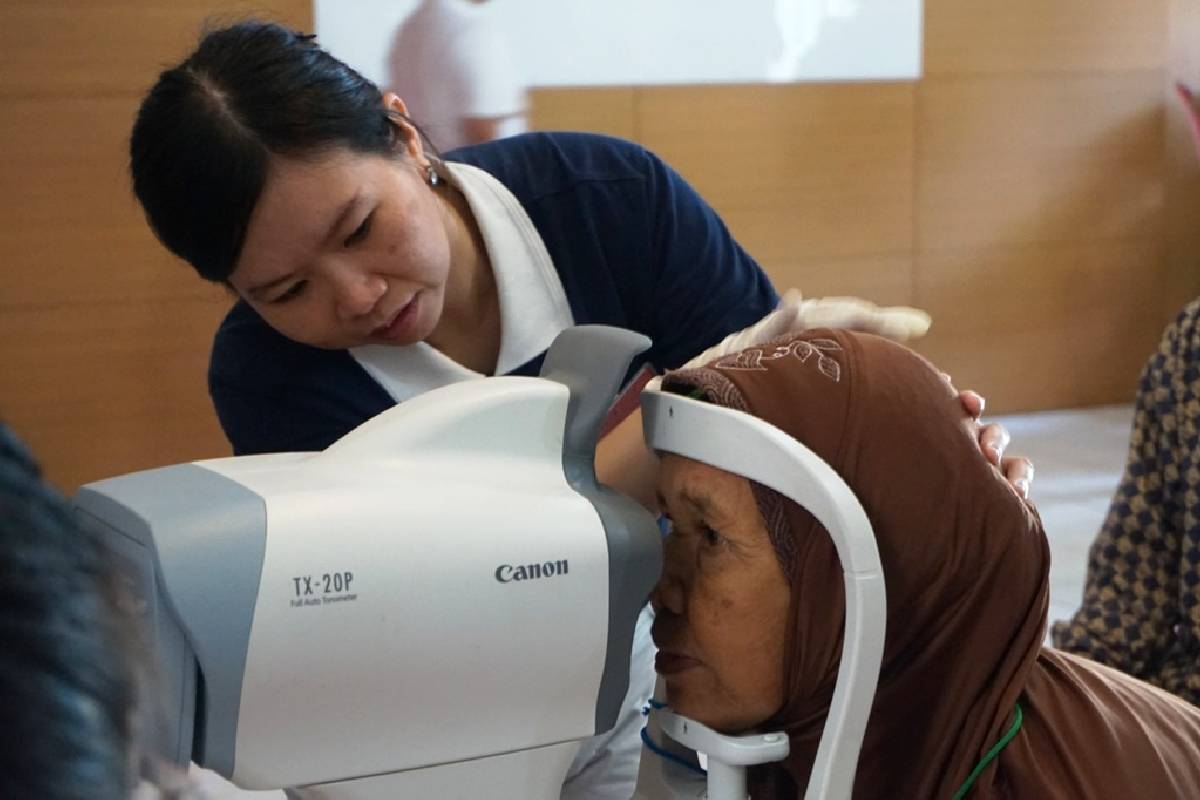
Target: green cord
{"type": "Point", "coordinates": [991, 754]}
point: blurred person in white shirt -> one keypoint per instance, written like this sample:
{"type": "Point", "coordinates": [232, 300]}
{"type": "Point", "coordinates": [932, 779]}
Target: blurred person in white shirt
{"type": "Point", "coordinates": [452, 65]}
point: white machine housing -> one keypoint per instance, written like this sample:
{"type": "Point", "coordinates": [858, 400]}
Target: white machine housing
{"type": "Point", "coordinates": [442, 603]}
{"type": "Point", "coordinates": [444, 584]}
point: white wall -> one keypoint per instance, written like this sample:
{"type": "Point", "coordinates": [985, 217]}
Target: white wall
{"type": "Point", "coordinates": [625, 42]}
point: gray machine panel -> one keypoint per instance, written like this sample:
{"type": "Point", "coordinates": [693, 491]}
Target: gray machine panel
{"type": "Point", "coordinates": [204, 536]}
{"type": "Point", "coordinates": [591, 360]}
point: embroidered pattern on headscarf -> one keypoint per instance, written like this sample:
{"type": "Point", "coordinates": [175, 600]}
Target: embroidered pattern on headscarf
{"type": "Point", "coordinates": [754, 358]}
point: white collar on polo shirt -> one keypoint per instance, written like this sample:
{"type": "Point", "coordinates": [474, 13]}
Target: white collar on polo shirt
{"type": "Point", "coordinates": [533, 304]}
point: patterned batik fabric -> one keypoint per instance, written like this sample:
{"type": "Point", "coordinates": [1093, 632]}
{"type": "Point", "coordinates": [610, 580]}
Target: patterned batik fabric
{"type": "Point", "coordinates": [1141, 603]}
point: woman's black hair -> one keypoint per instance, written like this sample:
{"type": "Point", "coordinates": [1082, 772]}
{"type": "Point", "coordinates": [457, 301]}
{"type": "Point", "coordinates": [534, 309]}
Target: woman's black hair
{"type": "Point", "coordinates": [70, 666]}
{"type": "Point", "coordinates": [201, 143]}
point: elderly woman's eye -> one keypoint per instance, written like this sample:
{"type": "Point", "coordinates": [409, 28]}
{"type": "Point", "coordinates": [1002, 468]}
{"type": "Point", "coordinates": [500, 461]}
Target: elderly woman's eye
{"type": "Point", "coordinates": [710, 537]}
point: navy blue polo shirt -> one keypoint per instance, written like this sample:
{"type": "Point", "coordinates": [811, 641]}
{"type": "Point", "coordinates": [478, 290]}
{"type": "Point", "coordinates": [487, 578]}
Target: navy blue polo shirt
{"type": "Point", "coordinates": [633, 244]}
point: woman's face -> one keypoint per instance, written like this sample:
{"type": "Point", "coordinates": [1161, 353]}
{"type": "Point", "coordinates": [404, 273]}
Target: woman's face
{"type": "Point", "coordinates": [722, 602]}
{"type": "Point", "coordinates": [346, 249]}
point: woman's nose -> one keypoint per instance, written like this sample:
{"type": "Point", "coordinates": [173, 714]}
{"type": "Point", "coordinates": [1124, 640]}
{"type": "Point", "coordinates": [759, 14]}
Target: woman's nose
{"type": "Point", "coordinates": [357, 292]}
{"type": "Point", "coordinates": [669, 593]}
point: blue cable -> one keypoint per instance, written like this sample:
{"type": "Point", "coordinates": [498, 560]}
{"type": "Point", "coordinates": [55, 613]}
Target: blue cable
{"type": "Point", "coordinates": [654, 747]}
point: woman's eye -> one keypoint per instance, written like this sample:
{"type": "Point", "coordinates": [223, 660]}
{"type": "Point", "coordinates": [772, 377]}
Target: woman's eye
{"type": "Point", "coordinates": [709, 536]}
{"type": "Point", "coordinates": [293, 291]}
{"type": "Point", "coordinates": [361, 231]}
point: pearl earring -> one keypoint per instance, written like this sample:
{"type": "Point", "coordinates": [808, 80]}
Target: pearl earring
{"type": "Point", "coordinates": [431, 176]}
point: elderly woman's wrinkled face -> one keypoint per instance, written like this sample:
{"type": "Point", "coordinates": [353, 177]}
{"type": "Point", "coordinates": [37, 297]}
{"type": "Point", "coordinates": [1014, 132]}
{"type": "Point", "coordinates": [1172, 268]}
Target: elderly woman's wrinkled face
{"type": "Point", "coordinates": [722, 603]}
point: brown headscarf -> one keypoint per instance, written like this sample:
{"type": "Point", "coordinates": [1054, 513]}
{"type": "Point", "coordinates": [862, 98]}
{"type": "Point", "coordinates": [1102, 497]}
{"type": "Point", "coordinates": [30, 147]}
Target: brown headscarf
{"type": "Point", "coordinates": [965, 562]}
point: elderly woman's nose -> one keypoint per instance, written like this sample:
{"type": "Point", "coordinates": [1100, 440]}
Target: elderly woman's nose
{"type": "Point", "coordinates": [667, 595]}
{"type": "Point", "coordinates": [670, 591]}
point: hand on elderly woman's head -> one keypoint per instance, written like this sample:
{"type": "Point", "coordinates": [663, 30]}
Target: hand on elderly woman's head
{"type": "Point", "coordinates": [795, 314]}
{"type": "Point", "coordinates": [993, 440]}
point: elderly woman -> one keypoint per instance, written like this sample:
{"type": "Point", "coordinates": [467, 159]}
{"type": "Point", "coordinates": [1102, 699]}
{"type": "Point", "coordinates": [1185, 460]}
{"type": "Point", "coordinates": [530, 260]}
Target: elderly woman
{"type": "Point", "coordinates": [750, 606]}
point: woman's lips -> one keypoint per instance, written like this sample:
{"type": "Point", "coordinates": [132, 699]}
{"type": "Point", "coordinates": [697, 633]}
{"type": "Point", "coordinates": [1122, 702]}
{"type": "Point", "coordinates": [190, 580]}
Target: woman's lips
{"type": "Point", "coordinates": [668, 663]}
{"type": "Point", "coordinates": [398, 328]}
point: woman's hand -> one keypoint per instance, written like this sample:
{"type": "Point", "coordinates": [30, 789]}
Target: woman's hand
{"type": "Point", "coordinates": [795, 314]}
{"type": "Point", "coordinates": [898, 323]}
{"type": "Point", "coordinates": [993, 440]}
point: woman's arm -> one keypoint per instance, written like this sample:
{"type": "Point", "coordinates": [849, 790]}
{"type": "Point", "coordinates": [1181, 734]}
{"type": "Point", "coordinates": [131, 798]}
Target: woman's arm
{"type": "Point", "coordinates": [1138, 587]}
{"type": "Point", "coordinates": [624, 463]}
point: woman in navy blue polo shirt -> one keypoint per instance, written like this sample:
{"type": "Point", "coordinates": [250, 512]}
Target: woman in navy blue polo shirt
{"type": "Point", "coordinates": [368, 270]}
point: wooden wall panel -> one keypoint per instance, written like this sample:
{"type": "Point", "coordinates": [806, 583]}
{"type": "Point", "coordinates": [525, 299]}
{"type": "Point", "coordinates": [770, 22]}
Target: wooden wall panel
{"type": "Point", "coordinates": [886, 280]}
{"type": "Point", "coordinates": [104, 337]}
{"type": "Point", "coordinates": [1182, 159]}
{"type": "Point", "coordinates": [599, 110]}
{"type": "Point", "coordinates": [1025, 36]}
{"type": "Point", "coordinates": [1042, 191]}
{"type": "Point", "coordinates": [56, 47]}
{"type": "Point", "coordinates": [111, 387]}
{"type": "Point", "coordinates": [74, 231]}
{"type": "Point", "coordinates": [65, 161]}
{"type": "Point", "coordinates": [1182, 209]}
{"type": "Point", "coordinates": [801, 171]}
{"type": "Point", "coordinates": [1046, 326]}
{"type": "Point", "coordinates": [1011, 159]}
